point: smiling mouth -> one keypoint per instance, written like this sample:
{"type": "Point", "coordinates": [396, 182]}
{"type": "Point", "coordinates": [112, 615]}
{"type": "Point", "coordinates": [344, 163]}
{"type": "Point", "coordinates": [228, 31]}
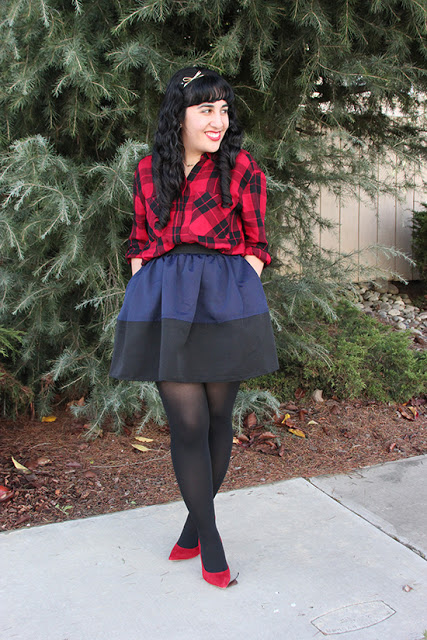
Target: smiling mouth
{"type": "Point", "coordinates": [213, 135]}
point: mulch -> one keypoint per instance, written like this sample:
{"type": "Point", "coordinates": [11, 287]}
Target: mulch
{"type": "Point", "coordinates": [70, 477]}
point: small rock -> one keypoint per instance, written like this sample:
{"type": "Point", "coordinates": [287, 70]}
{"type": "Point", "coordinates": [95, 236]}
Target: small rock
{"type": "Point", "coordinates": [374, 295]}
{"type": "Point", "coordinates": [391, 288]}
{"type": "Point", "coordinates": [423, 316]}
{"type": "Point", "coordinates": [394, 312]}
{"type": "Point", "coordinates": [385, 306]}
{"type": "Point", "coordinates": [381, 285]}
{"type": "Point", "coordinates": [317, 395]}
{"type": "Point", "coordinates": [401, 325]}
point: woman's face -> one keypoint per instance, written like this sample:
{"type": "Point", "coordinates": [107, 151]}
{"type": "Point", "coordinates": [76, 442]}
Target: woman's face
{"type": "Point", "coordinates": [204, 126]}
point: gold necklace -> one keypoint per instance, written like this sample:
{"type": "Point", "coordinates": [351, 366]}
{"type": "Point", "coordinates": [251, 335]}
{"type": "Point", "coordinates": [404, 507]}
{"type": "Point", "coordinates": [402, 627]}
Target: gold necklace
{"type": "Point", "coordinates": [191, 165]}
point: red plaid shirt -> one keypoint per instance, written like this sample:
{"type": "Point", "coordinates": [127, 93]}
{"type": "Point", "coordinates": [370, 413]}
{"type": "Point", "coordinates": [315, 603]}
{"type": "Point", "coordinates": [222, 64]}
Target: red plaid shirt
{"type": "Point", "coordinates": [197, 216]}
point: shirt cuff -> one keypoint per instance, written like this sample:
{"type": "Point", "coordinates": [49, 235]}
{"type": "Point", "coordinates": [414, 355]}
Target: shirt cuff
{"type": "Point", "coordinates": [258, 253]}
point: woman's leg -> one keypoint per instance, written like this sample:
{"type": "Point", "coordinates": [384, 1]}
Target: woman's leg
{"type": "Point", "coordinates": [187, 406]}
{"type": "Point", "coordinates": [220, 397]}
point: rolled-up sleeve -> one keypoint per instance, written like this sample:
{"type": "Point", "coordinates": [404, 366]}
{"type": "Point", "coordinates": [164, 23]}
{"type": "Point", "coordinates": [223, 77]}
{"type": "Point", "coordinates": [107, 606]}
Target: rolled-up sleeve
{"type": "Point", "coordinates": [254, 202]}
{"type": "Point", "coordinates": [138, 235]}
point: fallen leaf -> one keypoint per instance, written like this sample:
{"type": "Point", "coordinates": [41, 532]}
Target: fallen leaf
{"type": "Point", "coordinates": [407, 588]}
{"type": "Point", "coordinates": [32, 464]}
{"type": "Point", "coordinates": [263, 448]}
{"type": "Point", "coordinates": [392, 446]}
{"type": "Point", "coordinates": [236, 440]}
{"type": "Point", "coordinates": [90, 474]}
{"type": "Point", "coordinates": [297, 432]}
{"type": "Point", "coordinates": [5, 493]}
{"type": "Point", "coordinates": [20, 466]}
{"type": "Point", "coordinates": [250, 420]}
{"type": "Point", "coordinates": [312, 422]}
{"type": "Point", "coordinates": [272, 444]}
{"type": "Point", "coordinates": [290, 406]}
{"type": "Point", "coordinates": [242, 438]}
{"type": "Point", "coordinates": [48, 418]}
{"type": "Point", "coordinates": [35, 462]}
{"type": "Point", "coordinates": [299, 393]}
{"type": "Point", "coordinates": [255, 432]}
{"type": "Point", "coordinates": [282, 451]}
{"type": "Point", "coordinates": [81, 402]}
{"type": "Point", "coordinates": [266, 435]}
{"type": "Point", "coordinates": [286, 417]}
{"type": "Point", "coordinates": [140, 447]}
{"type": "Point", "coordinates": [301, 413]}
{"type": "Point", "coordinates": [408, 412]}
{"type": "Point", "coordinates": [289, 423]}
{"type": "Point", "coordinates": [142, 439]}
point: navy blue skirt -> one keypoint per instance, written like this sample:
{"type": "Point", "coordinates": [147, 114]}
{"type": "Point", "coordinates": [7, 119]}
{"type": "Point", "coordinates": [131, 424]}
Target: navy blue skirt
{"type": "Point", "coordinates": [194, 315]}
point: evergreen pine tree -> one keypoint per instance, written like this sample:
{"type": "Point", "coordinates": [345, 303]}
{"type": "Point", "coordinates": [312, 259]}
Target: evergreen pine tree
{"type": "Point", "coordinates": [81, 83]}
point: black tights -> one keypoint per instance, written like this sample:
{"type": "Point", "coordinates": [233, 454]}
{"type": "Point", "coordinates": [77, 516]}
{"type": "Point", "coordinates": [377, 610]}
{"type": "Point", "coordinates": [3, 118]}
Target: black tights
{"type": "Point", "coordinates": [199, 416]}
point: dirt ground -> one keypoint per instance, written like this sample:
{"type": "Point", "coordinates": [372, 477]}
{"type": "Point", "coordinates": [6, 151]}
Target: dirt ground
{"type": "Point", "coordinates": [69, 477]}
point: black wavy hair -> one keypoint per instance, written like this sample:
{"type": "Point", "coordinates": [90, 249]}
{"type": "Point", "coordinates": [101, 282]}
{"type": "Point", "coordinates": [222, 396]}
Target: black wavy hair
{"type": "Point", "coordinates": [168, 149]}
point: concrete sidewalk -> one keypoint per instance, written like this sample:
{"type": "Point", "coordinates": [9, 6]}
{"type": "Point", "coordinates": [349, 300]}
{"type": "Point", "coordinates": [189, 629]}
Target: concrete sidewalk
{"type": "Point", "coordinates": [325, 557]}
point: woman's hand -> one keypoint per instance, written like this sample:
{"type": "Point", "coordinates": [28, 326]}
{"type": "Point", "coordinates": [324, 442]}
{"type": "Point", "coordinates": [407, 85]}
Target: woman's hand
{"type": "Point", "coordinates": [256, 263]}
{"type": "Point", "coordinates": [136, 264]}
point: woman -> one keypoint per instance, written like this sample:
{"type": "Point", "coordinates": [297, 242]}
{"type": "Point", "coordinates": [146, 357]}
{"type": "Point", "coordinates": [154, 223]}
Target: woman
{"type": "Point", "coordinates": [195, 319]}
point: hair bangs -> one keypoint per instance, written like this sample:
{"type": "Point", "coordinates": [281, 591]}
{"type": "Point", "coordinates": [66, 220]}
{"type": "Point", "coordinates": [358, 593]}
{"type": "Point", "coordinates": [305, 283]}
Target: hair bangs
{"type": "Point", "coordinates": [208, 88]}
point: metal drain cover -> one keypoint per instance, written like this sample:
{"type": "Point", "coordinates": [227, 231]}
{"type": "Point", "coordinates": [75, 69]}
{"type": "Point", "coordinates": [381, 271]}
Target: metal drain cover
{"type": "Point", "coordinates": [353, 617]}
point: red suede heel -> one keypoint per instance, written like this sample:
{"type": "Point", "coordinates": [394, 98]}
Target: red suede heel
{"type": "Point", "coordinates": [219, 579]}
{"type": "Point", "coordinates": [180, 553]}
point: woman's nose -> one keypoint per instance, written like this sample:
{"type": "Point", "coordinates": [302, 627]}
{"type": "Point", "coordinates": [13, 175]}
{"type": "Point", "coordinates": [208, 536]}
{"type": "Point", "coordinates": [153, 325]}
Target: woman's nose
{"type": "Point", "coordinates": [217, 121]}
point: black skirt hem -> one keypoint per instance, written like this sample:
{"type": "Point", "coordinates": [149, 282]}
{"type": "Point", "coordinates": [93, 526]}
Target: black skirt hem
{"type": "Point", "coordinates": [256, 374]}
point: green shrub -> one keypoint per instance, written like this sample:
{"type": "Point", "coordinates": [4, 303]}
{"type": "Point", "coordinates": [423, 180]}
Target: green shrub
{"type": "Point", "coordinates": [14, 396]}
{"type": "Point", "coordinates": [419, 240]}
{"type": "Point", "coordinates": [364, 359]}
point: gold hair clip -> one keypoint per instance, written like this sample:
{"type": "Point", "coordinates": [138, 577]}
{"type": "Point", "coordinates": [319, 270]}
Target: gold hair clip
{"type": "Point", "coordinates": [187, 80]}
